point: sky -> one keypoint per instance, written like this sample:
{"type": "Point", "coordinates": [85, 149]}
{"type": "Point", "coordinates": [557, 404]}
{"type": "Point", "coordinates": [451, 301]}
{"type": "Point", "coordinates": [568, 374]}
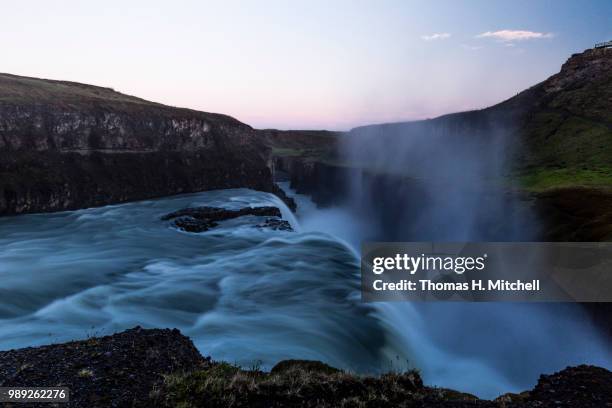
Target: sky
{"type": "Point", "coordinates": [309, 64]}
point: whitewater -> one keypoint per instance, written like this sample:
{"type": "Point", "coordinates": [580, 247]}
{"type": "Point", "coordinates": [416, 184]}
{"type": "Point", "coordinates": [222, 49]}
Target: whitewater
{"type": "Point", "coordinates": [256, 296]}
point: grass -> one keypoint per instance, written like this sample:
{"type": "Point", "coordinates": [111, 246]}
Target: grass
{"type": "Point", "coordinates": [542, 179]}
{"type": "Point", "coordinates": [289, 152]}
{"type": "Point", "coordinates": [20, 89]}
{"type": "Point", "coordinates": [568, 141]}
{"type": "Point", "coordinates": [296, 383]}
{"type": "Point", "coordinates": [323, 155]}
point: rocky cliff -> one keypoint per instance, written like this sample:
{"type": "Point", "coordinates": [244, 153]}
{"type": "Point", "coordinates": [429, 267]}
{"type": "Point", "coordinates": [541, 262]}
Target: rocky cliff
{"type": "Point", "coordinates": [65, 145]}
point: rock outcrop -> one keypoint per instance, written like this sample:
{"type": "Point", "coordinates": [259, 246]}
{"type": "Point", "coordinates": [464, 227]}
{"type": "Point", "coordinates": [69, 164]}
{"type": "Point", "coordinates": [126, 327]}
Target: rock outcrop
{"type": "Point", "coordinates": [201, 219]}
{"type": "Point", "coordinates": [162, 368]}
{"type": "Point", "coordinates": [66, 145]}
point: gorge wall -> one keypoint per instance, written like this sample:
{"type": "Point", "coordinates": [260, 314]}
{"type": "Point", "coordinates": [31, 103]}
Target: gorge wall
{"type": "Point", "coordinates": [67, 145]}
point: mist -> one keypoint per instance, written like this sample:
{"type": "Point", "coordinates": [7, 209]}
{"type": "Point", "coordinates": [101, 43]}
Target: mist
{"type": "Point", "coordinates": [447, 180]}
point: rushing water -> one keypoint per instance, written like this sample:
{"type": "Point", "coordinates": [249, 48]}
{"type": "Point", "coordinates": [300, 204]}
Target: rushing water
{"type": "Point", "coordinates": [483, 348]}
{"type": "Point", "coordinates": [242, 294]}
{"type": "Point", "coordinates": [257, 296]}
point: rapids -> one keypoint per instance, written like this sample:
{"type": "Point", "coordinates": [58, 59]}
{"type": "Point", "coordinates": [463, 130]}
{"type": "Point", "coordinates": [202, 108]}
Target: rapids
{"type": "Point", "coordinates": [254, 296]}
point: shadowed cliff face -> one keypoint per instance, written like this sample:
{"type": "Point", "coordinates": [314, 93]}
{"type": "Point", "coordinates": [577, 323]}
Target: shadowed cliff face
{"type": "Point", "coordinates": [65, 145]}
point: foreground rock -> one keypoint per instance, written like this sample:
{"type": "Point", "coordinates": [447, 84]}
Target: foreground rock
{"type": "Point", "coordinates": [162, 368]}
{"type": "Point", "coordinates": [118, 370]}
{"type": "Point", "coordinates": [200, 219]}
{"type": "Point", "coordinates": [582, 386]}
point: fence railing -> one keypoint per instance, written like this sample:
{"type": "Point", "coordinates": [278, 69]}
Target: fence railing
{"type": "Point", "coordinates": [604, 44]}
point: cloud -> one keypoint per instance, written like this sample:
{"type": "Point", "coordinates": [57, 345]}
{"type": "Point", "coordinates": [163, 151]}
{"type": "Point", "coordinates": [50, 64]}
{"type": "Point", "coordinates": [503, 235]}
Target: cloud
{"type": "Point", "coordinates": [435, 36]}
{"type": "Point", "coordinates": [514, 35]}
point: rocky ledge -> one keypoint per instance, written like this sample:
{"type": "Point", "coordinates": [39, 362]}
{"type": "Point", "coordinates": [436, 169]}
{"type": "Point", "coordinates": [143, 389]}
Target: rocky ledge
{"type": "Point", "coordinates": [201, 219]}
{"type": "Point", "coordinates": [162, 368]}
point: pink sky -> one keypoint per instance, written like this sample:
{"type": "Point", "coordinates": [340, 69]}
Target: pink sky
{"type": "Point", "coordinates": [303, 64]}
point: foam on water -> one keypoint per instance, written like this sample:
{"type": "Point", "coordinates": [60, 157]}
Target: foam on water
{"type": "Point", "coordinates": [242, 294]}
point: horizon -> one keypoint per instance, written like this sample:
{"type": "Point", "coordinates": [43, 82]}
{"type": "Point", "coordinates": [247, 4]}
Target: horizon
{"type": "Point", "coordinates": [382, 64]}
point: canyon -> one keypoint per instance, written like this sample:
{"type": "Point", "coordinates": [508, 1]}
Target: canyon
{"type": "Point", "coordinates": [534, 167]}
{"type": "Point", "coordinates": [65, 145]}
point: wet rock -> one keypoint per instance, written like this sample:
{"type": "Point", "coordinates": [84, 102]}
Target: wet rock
{"type": "Point", "coordinates": [189, 224]}
{"type": "Point", "coordinates": [200, 219]}
{"type": "Point", "coordinates": [280, 193]}
{"type": "Point", "coordinates": [220, 214]}
{"type": "Point", "coordinates": [275, 224]}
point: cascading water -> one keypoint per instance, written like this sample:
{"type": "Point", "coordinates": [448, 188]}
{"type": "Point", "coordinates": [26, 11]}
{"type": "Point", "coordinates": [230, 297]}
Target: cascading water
{"type": "Point", "coordinates": [449, 184]}
{"type": "Point", "coordinates": [257, 296]}
{"type": "Point", "coordinates": [486, 349]}
{"type": "Point", "coordinates": [243, 294]}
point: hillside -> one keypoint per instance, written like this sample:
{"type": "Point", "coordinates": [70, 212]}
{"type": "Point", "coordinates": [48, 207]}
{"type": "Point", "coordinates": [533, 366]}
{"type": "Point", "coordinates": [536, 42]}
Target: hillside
{"type": "Point", "coordinates": [558, 139]}
{"type": "Point", "coordinates": [561, 127]}
{"type": "Point", "coordinates": [65, 145]}
{"type": "Point", "coordinates": [565, 125]}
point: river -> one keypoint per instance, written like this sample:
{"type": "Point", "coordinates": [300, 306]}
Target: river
{"type": "Point", "coordinates": [257, 296]}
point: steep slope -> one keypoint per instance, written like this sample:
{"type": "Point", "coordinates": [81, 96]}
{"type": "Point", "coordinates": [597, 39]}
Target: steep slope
{"type": "Point", "coordinates": [557, 140]}
{"type": "Point", "coordinates": [66, 145]}
{"type": "Point", "coordinates": [561, 127]}
{"type": "Point", "coordinates": [567, 119]}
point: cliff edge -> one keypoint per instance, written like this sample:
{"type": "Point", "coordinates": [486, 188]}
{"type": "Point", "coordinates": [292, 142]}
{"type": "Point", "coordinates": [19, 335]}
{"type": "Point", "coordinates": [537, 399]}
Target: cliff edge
{"type": "Point", "coordinates": [66, 145]}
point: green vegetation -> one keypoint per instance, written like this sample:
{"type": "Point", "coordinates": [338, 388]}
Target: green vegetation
{"type": "Point", "coordinates": [556, 139]}
{"type": "Point", "coordinates": [307, 153]}
{"type": "Point", "coordinates": [542, 179]}
{"type": "Point", "coordinates": [307, 145]}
